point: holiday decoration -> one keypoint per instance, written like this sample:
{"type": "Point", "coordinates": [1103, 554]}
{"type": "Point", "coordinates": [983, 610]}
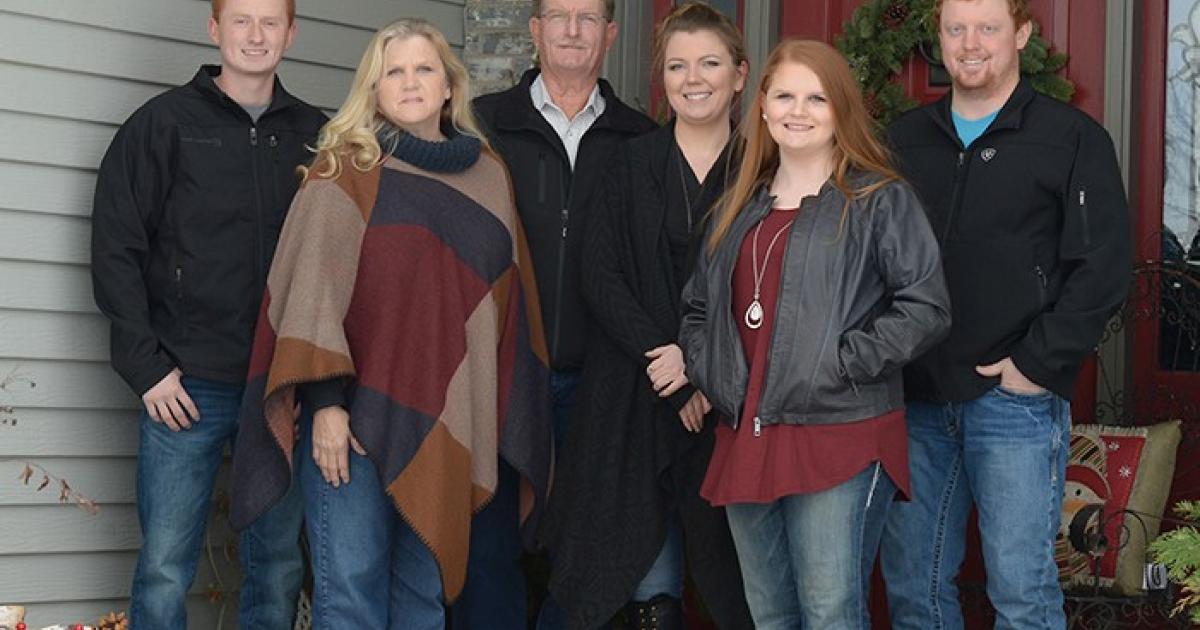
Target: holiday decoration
{"type": "Point", "coordinates": [1179, 550]}
{"type": "Point", "coordinates": [1123, 474]}
{"type": "Point", "coordinates": [882, 35]}
{"type": "Point", "coordinates": [1084, 495]}
{"type": "Point", "coordinates": [11, 617]}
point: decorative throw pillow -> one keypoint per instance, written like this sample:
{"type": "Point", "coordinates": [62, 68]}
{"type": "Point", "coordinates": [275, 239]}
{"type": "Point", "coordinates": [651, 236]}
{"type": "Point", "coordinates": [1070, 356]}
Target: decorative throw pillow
{"type": "Point", "coordinates": [1109, 470]}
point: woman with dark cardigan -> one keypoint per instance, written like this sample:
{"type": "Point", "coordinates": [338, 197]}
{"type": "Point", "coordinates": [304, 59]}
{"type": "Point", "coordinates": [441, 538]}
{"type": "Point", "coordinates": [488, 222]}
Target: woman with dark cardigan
{"type": "Point", "coordinates": [626, 494]}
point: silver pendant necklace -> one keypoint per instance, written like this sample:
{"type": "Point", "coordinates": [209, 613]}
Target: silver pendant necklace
{"type": "Point", "coordinates": [754, 312]}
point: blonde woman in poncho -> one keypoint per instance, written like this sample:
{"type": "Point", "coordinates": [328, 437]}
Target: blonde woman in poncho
{"type": "Point", "coordinates": [401, 316]}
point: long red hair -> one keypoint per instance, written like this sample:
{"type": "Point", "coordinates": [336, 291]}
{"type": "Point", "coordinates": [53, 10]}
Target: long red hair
{"type": "Point", "coordinates": [855, 146]}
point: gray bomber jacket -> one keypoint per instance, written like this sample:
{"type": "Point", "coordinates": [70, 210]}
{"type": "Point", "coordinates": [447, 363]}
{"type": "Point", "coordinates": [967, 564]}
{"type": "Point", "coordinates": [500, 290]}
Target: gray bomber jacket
{"type": "Point", "coordinates": [856, 303]}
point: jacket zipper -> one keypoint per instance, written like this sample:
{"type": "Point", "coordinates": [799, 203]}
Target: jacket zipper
{"type": "Point", "coordinates": [258, 210]}
{"type": "Point", "coordinates": [774, 320]}
{"type": "Point", "coordinates": [1083, 216]}
{"type": "Point", "coordinates": [568, 193]}
{"type": "Point", "coordinates": [181, 324]}
{"type": "Point", "coordinates": [1042, 285]}
{"type": "Point", "coordinates": [779, 301]}
{"type": "Point", "coordinates": [729, 335]}
{"type": "Point", "coordinates": [541, 178]}
{"type": "Point", "coordinates": [955, 196]}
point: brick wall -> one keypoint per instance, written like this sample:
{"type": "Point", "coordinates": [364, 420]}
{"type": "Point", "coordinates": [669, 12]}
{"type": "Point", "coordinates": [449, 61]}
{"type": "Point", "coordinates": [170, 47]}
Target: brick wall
{"type": "Point", "coordinates": [497, 48]}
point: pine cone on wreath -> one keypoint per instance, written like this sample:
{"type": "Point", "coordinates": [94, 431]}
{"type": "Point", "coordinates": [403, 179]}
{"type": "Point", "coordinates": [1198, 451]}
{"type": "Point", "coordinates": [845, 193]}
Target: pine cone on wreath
{"type": "Point", "coordinates": [896, 13]}
{"type": "Point", "coordinates": [871, 102]}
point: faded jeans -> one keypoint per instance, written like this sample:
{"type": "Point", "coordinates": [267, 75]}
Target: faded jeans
{"type": "Point", "coordinates": [370, 570]}
{"type": "Point", "coordinates": [807, 558]}
{"type": "Point", "coordinates": [1005, 453]}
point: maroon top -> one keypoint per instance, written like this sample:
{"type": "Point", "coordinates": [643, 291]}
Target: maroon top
{"type": "Point", "coordinates": [789, 459]}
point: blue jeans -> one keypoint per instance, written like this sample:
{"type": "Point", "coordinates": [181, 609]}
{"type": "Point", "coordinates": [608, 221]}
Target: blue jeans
{"type": "Point", "coordinates": [807, 558]}
{"type": "Point", "coordinates": [1007, 454]}
{"type": "Point", "coordinates": [370, 570]}
{"type": "Point", "coordinates": [666, 574]}
{"type": "Point", "coordinates": [175, 477]}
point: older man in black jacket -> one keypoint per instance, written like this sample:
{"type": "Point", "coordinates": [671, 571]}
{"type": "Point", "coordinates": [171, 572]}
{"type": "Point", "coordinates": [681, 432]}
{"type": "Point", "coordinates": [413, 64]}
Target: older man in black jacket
{"type": "Point", "coordinates": [557, 130]}
{"type": "Point", "coordinates": [1026, 198]}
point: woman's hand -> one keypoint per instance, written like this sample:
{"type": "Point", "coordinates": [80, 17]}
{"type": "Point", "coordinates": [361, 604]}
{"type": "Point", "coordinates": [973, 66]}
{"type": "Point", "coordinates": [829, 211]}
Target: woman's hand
{"type": "Point", "coordinates": [692, 414]}
{"type": "Point", "coordinates": [666, 369]}
{"type": "Point", "coordinates": [331, 444]}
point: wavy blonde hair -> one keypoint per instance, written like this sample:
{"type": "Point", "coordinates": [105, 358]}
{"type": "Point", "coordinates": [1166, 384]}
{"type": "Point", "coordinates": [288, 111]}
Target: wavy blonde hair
{"type": "Point", "coordinates": [352, 134]}
{"type": "Point", "coordinates": [855, 146]}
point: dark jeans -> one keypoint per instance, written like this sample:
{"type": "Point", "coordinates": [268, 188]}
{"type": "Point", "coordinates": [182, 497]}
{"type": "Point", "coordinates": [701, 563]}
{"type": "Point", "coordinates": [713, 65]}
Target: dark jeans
{"type": "Point", "coordinates": [563, 386]}
{"type": "Point", "coordinates": [175, 476]}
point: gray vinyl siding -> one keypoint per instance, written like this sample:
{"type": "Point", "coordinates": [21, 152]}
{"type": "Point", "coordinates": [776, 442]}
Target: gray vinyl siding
{"type": "Point", "coordinates": [71, 71]}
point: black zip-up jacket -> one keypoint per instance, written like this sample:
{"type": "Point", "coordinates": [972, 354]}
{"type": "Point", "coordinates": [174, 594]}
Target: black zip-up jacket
{"type": "Point", "coordinates": [857, 301]}
{"type": "Point", "coordinates": [552, 200]}
{"type": "Point", "coordinates": [1034, 228]}
{"type": "Point", "coordinates": [189, 201]}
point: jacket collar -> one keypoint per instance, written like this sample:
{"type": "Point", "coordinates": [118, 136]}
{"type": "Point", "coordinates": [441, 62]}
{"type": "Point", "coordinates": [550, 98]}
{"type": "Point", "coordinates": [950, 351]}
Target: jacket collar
{"type": "Point", "coordinates": [205, 82]}
{"type": "Point", "coordinates": [524, 116]}
{"type": "Point", "coordinates": [1009, 117]}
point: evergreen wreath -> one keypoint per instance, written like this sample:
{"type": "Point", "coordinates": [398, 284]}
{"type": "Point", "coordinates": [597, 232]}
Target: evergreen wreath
{"type": "Point", "coordinates": [883, 34]}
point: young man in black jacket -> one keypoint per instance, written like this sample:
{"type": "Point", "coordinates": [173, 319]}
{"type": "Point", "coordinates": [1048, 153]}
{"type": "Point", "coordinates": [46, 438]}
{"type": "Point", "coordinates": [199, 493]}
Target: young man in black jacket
{"type": "Point", "coordinates": [556, 130]}
{"type": "Point", "coordinates": [1026, 198]}
{"type": "Point", "coordinates": [189, 201]}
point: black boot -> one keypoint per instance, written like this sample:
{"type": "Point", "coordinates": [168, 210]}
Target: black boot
{"type": "Point", "coordinates": [662, 612]}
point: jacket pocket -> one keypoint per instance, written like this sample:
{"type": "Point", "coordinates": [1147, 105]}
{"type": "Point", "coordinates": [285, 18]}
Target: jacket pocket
{"type": "Point", "coordinates": [180, 323]}
{"type": "Point", "coordinates": [842, 372]}
{"type": "Point", "coordinates": [1042, 285]}
{"type": "Point", "coordinates": [1084, 222]}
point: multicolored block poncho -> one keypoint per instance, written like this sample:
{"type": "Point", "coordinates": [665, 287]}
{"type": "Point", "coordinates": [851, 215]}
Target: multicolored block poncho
{"type": "Point", "coordinates": [416, 285]}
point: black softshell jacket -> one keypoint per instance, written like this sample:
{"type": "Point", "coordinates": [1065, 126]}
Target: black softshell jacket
{"type": "Point", "coordinates": [1036, 246]}
{"type": "Point", "coordinates": [189, 202]}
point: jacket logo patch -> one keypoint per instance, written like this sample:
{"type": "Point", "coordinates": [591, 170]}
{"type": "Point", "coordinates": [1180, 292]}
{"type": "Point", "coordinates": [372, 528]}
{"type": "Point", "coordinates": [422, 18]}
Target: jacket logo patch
{"type": "Point", "coordinates": [987, 154]}
{"type": "Point", "coordinates": [216, 142]}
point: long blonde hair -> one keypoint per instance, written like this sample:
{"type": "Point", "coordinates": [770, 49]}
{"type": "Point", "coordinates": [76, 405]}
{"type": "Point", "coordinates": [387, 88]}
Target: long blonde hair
{"type": "Point", "coordinates": [352, 132]}
{"type": "Point", "coordinates": [854, 143]}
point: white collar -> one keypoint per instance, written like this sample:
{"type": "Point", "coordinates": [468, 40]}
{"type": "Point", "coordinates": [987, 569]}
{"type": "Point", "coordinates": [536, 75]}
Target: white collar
{"type": "Point", "coordinates": [541, 97]}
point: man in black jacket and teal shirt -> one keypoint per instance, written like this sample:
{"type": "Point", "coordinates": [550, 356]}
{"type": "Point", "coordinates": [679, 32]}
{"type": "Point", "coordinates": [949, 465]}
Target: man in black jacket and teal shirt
{"type": "Point", "coordinates": [1025, 196]}
{"type": "Point", "coordinates": [189, 202]}
{"type": "Point", "coordinates": [556, 130]}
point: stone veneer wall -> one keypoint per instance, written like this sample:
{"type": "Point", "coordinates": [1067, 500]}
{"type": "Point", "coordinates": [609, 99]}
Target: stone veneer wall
{"type": "Point", "coordinates": [497, 48]}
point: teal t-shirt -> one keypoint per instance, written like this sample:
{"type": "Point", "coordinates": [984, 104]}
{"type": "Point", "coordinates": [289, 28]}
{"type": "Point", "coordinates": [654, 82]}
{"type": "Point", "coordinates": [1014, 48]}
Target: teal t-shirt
{"type": "Point", "coordinates": [969, 130]}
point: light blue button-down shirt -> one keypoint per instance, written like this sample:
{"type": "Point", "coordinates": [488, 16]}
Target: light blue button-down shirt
{"type": "Point", "coordinates": [569, 130]}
